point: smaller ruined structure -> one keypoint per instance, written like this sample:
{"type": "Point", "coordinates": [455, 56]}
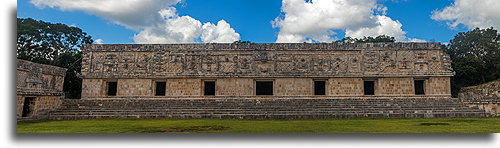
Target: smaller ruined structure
{"type": "Point", "coordinates": [484, 96]}
{"type": "Point", "coordinates": [39, 88]}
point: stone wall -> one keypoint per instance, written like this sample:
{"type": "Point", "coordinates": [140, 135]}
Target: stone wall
{"type": "Point", "coordinates": [438, 86]}
{"type": "Point", "coordinates": [487, 90]}
{"type": "Point", "coordinates": [38, 77]}
{"type": "Point", "coordinates": [184, 87]}
{"type": "Point", "coordinates": [292, 67]}
{"type": "Point", "coordinates": [93, 88]}
{"type": "Point", "coordinates": [395, 86]}
{"type": "Point", "coordinates": [135, 87]}
{"type": "Point", "coordinates": [265, 60]}
{"type": "Point", "coordinates": [42, 84]}
{"type": "Point", "coordinates": [194, 87]}
{"type": "Point", "coordinates": [346, 87]}
{"type": "Point", "coordinates": [235, 87]}
{"type": "Point", "coordinates": [484, 96]}
{"type": "Point", "coordinates": [40, 104]}
{"type": "Point", "coordinates": [294, 87]}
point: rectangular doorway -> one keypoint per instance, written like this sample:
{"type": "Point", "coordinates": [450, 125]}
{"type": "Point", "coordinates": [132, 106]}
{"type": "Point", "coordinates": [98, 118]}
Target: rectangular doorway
{"type": "Point", "coordinates": [264, 87]}
{"type": "Point", "coordinates": [419, 87]}
{"type": "Point", "coordinates": [28, 106]}
{"type": "Point", "coordinates": [209, 88]}
{"type": "Point", "coordinates": [319, 88]}
{"type": "Point", "coordinates": [112, 88]}
{"type": "Point", "coordinates": [369, 87]}
{"type": "Point", "coordinates": [160, 88]}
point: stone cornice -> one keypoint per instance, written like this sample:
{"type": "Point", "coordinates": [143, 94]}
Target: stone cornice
{"type": "Point", "coordinates": [262, 46]}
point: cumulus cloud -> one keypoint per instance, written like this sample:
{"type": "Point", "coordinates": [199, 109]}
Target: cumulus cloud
{"type": "Point", "coordinates": [317, 20]}
{"type": "Point", "coordinates": [185, 29]}
{"type": "Point", "coordinates": [385, 26]}
{"type": "Point", "coordinates": [472, 14]}
{"type": "Point", "coordinates": [416, 40]}
{"type": "Point", "coordinates": [133, 14]}
{"type": "Point", "coordinates": [222, 32]}
{"type": "Point", "coordinates": [155, 20]}
{"type": "Point", "coordinates": [99, 41]}
{"type": "Point", "coordinates": [172, 29]}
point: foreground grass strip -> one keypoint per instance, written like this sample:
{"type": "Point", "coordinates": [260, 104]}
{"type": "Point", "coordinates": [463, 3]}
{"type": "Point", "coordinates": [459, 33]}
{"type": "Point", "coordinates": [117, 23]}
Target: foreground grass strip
{"type": "Point", "coordinates": [378, 125]}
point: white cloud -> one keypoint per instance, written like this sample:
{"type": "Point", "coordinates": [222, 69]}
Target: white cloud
{"type": "Point", "coordinates": [415, 40]}
{"type": "Point", "coordinates": [133, 14]}
{"type": "Point", "coordinates": [385, 26]}
{"type": "Point", "coordinates": [220, 33]}
{"type": "Point", "coordinates": [99, 41]}
{"type": "Point", "coordinates": [185, 29]}
{"type": "Point", "coordinates": [316, 20]}
{"type": "Point", "coordinates": [172, 29]}
{"type": "Point", "coordinates": [471, 13]}
{"type": "Point", "coordinates": [155, 20]}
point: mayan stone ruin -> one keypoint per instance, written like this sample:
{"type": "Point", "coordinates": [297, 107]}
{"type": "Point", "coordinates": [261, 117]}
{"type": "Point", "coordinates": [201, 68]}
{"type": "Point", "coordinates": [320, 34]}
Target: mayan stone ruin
{"type": "Point", "coordinates": [265, 81]}
{"type": "Point", "coordinates": [39, 88]}
{"type": "Point", "coordinates": [288, 69]}
{"type": "Point", "coordinates": [484, 96]}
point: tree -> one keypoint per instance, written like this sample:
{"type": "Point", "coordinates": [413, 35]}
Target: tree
{"type": "Point", "coordinates": [72, 82]}
{"type": "Point", "coordinates": [474, 56]}
{"type": "Point", "coordinates": [241, 42]}
{"type": "Point", "coordinates": [53, 44]}
{"type": "Point", "coordinates": [380, 38]}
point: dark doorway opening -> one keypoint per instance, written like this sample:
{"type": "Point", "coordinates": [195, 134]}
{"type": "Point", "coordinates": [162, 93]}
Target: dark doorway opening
{"type": "Point", "coordinates": [28, 107]}
{"type": "Point", "coordinates": [319, 87]}
{"type": "Point", "coordinates": [264, 88]}
{"type": "Point", "coordinates": [112, 86]}
{"type": "Point", "coordinates": [419, 87]}
{"type": "Point", "coordinates": [209, 88]}
{"type": "Point", "coordinates": [160, 88]}
{"type": "Point", "coordinates": [369, 87]}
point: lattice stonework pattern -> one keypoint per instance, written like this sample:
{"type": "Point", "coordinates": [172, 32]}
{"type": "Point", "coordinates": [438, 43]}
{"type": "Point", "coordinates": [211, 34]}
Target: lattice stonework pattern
{"type": "Point", "coordinates": [269, 60]}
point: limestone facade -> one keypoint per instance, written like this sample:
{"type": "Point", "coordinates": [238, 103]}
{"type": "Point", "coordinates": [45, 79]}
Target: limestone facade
{"type": "Point", "coordinates": [291, 69]}
{"type": "Point", "coordinates": [39, 87]}
{"type": "Point", "coordinates": [484, 96]}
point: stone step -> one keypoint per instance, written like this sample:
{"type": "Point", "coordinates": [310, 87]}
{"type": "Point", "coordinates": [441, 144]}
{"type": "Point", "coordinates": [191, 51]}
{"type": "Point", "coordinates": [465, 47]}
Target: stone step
{"type": "Point", "coordinates": [273, 116]}
{"type": "Point", "coordinates": [263, 108]}
{"type": "Point", "coordinates": [252, 113]}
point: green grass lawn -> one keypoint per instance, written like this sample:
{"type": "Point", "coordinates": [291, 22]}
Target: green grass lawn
{"type": "Point", "coordinates": [378, 125]}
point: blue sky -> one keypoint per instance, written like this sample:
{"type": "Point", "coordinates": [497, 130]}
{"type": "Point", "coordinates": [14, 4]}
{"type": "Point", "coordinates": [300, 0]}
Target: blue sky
{"type": "Point", "coordinates": [255, 20]}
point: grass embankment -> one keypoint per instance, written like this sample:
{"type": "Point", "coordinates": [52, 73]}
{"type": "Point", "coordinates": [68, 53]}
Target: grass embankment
{"type": "Point", "coordinates": [384, 125]}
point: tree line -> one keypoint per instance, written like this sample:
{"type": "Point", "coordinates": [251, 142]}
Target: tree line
{"type": "Point", "coordinates": [53, 44]}
{"type": "Point", "coordinates": [474, 54]}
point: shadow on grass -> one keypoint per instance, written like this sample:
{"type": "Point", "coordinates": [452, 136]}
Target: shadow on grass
{"type": "Point", "coordinates": [33, 122]}
{"type": "Point", "coordinates": [190, 129]}
{"type": "Point", "coordinates": [462, 120]}
{"type": "Point", "coordinates": [429, 124]}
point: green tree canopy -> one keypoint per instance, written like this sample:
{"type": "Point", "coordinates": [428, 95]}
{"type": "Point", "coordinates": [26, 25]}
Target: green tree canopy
{"type": "Point", "coordinates": [475, 57]}
{"type": "Point", "coordinates": [43, 42]}
{"type": "Point", "coordinates": [380, 38]}
{"type": "Point", "coordinates": [53, 44]}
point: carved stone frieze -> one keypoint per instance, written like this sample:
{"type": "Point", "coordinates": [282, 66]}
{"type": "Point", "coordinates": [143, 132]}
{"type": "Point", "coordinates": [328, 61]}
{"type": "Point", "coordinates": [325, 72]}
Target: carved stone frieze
{"type": "Point", "coordinates": [221, 60]}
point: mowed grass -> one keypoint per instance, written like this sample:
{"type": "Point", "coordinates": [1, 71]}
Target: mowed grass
{"type": "Point", "coordinates": [377, 125]}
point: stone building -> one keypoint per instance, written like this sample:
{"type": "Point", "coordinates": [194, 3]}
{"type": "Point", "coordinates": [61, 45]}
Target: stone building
{"type": "Point", "coordinates": [265, 81]}
{"type": "Point", "coordinates": [267, 70]}
{"type": "Point", "coordinates": [39, 88]}
{"type": "Point", "coordinates": [484, 96]}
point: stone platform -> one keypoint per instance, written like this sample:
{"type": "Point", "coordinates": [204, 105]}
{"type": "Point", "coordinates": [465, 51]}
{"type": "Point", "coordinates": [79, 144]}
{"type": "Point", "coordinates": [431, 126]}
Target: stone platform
{"type": "Point", "coordinates": [245, 108]}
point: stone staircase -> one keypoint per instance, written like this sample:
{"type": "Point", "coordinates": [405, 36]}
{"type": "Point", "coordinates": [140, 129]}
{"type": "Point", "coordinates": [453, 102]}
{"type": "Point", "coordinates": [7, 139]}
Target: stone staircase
{"type": "Point", "coordinates": [244, 108]}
